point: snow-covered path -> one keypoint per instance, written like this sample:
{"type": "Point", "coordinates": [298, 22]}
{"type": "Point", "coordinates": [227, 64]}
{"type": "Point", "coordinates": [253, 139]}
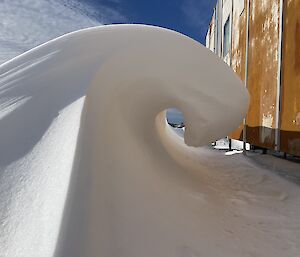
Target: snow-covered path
{"type": "Point", "coordinates": [227, 207]}
{"type": "Point", "coordinates": [89, 166]}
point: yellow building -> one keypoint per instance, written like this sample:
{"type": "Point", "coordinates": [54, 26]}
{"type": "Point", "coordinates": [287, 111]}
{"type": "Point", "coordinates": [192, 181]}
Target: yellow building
{"type": "Point", "coordinates": [260, 40]}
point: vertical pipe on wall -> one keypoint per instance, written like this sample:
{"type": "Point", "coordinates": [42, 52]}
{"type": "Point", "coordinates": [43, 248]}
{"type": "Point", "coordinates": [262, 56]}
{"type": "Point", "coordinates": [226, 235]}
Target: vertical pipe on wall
{"type": "Point", "coordinates": [220, 36]}
{"type": "Point", "coordinates": [231, 33]}
{"type": "Point", "coordinates": [246, 70]}
{"type": "Point", "coordinates": [230, 60]}
{"type": "Point", "coordinates": [279, 77]}
{"type": "Point", "coordinates": [216, 30]}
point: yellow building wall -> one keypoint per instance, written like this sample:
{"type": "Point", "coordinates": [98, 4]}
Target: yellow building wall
{"type": "Point", "coordinates": [238, 55]}
{"type": "Point", "coordinates": [290, 113]}
{"type": "Point", "coordinates": [263, 72]}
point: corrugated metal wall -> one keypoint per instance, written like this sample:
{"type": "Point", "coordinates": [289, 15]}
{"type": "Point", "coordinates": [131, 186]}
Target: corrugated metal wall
{"type": "Point", "coordinates": [263, 72]}
{"type": "Point", "coordinates": [238, 56]}
{"type": "Point", "coordinates": [275, 93]}
{"type": "Point", "coordinates": [210, 37]}
{"type": "Point", "coordinates": [290, 114]}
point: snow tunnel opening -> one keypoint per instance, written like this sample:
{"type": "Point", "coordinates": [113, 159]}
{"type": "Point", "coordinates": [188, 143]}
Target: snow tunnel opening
{"type": "Point", "coordinates": [175, 118]}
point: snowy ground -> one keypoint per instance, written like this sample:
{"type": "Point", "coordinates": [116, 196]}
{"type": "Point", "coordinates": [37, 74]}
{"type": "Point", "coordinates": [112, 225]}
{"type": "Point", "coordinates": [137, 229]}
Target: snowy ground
{"type": "Point", "coordinates": [259, 205]}
{"type": "Point", "coordinates": [287, 168]}
{"type": "Point", "coordinates": [260, 197]}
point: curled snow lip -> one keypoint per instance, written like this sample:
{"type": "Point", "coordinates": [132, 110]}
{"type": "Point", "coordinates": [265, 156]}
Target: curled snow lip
{"type": "Point", "coordinates": [103, 93]}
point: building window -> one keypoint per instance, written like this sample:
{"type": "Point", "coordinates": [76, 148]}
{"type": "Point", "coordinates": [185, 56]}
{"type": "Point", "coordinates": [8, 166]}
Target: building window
{"type": "Point", "coordinates": [226, 38]}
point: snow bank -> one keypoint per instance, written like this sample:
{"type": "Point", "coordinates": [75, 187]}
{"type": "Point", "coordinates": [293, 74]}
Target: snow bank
{"type": "Point", "coordinates": [89, 166]}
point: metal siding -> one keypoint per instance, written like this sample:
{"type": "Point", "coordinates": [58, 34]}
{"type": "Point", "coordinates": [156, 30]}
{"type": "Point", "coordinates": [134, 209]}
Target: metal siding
{"type": "Point", "coordinates": [219, 12]}
{"type": "Point", "coordinates": [226, 12]}
{"type": "Point", "coordinates": [239, 51]}
{"type": "Point", "coordinates": [263, 72]}
{"type": "Point", "coordinates": [212, 35]}
{"type": "Point", "coordinates": [290, 114]}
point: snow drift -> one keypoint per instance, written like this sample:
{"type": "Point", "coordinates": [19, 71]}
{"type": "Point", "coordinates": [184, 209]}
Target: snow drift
{"type": "Point", "coordinates": [88, 165]}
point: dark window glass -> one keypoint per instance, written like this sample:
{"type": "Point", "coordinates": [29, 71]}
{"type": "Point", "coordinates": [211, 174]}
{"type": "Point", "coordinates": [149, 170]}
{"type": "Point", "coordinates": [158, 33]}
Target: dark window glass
{"type": "Point", "coordinates": [227, 38]}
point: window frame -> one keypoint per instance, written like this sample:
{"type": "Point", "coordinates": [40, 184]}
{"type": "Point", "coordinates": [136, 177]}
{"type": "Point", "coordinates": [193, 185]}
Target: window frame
{"type": "Point", "coordinates": [227, 40]}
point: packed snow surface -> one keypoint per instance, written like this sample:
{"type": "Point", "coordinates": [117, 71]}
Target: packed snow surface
{"type": "Point", "coordinates": [90, 168]}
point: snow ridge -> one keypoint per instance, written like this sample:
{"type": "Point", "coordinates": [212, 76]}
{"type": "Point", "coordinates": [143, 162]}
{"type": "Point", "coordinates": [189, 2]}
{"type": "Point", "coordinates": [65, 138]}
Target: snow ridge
{"type": "Point", "coordinates": [89, 166]}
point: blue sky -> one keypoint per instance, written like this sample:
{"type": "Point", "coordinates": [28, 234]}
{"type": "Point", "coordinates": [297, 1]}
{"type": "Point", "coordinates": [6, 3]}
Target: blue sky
{"type": "Point", "coordinates": [190, 17]}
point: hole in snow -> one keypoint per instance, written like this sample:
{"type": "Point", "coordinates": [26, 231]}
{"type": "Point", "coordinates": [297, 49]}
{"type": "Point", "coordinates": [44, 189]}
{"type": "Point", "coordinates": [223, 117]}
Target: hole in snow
{"type": "Point", "coordinates": [175, 118]}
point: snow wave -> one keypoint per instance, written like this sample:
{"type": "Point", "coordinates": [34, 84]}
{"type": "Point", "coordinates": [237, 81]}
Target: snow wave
{"type": "Point", "coordinates": [84, 156]}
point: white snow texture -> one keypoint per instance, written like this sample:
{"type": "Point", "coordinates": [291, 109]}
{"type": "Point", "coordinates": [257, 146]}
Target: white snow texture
{"type": "Point", "coordinates": [89, 166]}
